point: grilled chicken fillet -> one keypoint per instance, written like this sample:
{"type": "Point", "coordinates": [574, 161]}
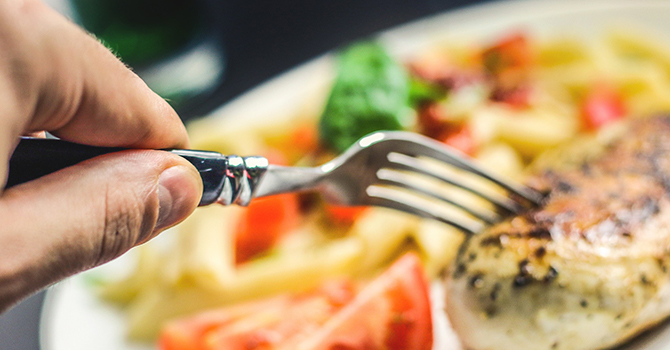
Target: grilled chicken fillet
{"type": "Point", "coordinates": [588, 269]}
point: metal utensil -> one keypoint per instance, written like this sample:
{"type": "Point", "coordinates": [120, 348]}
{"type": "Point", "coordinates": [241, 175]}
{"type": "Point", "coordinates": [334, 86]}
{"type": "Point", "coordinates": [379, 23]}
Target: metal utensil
{"type": "Point", "coordinates": [372, 172]}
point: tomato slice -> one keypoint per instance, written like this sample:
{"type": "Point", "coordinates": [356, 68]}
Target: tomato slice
{"type": "Point", "coordinates": [511, 52]}
{"type": "Point", "coordinates": [271, 327]}
{"type": "Point", "coordinates": [412, 326]}
{"type": "Point", "coordinates": [341, 215]}
{"type": "Point", "coordinates": [264, 222]}
{"type": "Point", "coordinates": [393, 313]}
{"type": "Point", "coordinates": [188, 333]}
{"type": "Point", "coordinates": [266, 219]}
{"type": "Point", "coordinates": [602, 106]}
{"type": "Point", "coordinates": [390, 313]}
{"type": "Point", "coordinates": [433, 120]}
{"type": "Point", "coordinates": [509, 63]}
{"type": "Point", "coordinates": [258, 324]}
{"type": "Point", "coordinates": [460, 138]}
{"type": "Point", "coordinates": [305, 139]}
{"type": "Point", "coordinates": [517, 97]}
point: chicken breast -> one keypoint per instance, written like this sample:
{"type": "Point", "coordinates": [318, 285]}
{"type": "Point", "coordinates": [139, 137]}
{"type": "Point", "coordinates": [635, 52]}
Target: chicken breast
{"type": "Point", "coordinates": [588, 269]}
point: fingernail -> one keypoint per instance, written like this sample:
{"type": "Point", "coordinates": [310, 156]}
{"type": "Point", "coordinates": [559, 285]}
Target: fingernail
{"type": "Point", "coordinates": [177, 189]}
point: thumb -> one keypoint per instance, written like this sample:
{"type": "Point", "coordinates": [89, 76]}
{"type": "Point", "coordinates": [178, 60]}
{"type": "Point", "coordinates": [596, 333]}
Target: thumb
{"type": "Point", "coordinates": [88, 214]}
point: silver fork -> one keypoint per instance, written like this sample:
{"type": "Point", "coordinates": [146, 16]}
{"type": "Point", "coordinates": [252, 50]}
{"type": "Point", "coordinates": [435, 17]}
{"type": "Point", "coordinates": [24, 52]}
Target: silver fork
{"type": "Point", "coordinates": [373, 172]}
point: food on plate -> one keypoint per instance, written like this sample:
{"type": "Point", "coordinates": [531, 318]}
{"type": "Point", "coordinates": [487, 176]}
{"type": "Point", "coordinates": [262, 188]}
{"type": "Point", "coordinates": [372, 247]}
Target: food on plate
{"type": "Point", "coordinates": [370, 93]}
{"type": "Point", "coordinates": [586, 270]}
{"type": "Point", "coordinates": [391, 312]}
{"type": "Point", "coordinates": [516, 104]}
{"type": "Point", "coordinates": [263, 224]}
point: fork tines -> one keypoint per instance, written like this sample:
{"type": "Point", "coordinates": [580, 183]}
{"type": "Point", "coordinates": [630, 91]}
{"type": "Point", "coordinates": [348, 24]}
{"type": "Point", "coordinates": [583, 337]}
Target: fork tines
{"type": "Point", "coordinates": [420, 175]}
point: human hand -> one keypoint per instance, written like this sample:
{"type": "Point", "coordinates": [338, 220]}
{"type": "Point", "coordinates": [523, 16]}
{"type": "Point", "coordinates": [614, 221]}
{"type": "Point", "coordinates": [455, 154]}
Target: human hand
{"type": "Point", "coordinates": [55, 77]}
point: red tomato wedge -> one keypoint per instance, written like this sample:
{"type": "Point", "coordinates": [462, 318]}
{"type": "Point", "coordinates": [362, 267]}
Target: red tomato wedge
{"type": "Point", "coordinates": [250, 325]}
{"type": "Point", "coordinates": [512, 52]}
{"type": "Point", "coordinates": [341, 215]}
{"type": "Point", "coordinates": [301, 142]}
{"type": "Point", "coordinates": [266, 219]}
{"type": "Point", "coordinates": [272, 327]}
{"type": "Point", "coordinates": [460, 138]}
{"type": "Point", "coordinates": [434, 122]}
{"type": "Point", "coordinates": [602, 106]}
{"type": "Point", "coordinates": [518, 97]}
{"type": "Point", "coordinates": [188, 333]}
{"type": "Point", "coordinates": [264, 222]}
{"type": "Point", "coordinates": [390, 313]}
{"type": "Point", "coordinates": [393, 312]}
{"type": "Point", "coordinates": [304, 139]}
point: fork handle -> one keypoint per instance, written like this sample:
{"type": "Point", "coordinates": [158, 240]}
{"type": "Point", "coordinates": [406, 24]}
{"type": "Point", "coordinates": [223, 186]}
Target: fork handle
{"type": "Point", "coordinates": [35, 157]}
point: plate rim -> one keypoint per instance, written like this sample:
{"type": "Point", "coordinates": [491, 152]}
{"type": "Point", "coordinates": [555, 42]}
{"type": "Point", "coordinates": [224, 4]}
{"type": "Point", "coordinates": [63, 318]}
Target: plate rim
{"type": "Point", "coordinates": [391, 35]}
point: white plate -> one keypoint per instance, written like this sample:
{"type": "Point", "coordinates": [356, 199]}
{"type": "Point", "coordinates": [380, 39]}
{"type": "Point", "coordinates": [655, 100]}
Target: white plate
{"type": "Point", "coordinates": [73, 319]}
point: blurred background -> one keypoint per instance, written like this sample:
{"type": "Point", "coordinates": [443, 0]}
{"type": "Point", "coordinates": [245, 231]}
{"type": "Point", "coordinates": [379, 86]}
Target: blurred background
{"type": "Point", "coordinates": [200, 54]}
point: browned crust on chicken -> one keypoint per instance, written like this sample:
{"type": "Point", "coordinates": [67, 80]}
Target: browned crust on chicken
{"type": "Point", "coordinates": [599, 247]}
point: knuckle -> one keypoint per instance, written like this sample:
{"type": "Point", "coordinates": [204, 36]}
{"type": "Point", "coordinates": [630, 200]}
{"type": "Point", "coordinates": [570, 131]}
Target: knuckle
{"type": "Point", "coordinates": [126, 222]}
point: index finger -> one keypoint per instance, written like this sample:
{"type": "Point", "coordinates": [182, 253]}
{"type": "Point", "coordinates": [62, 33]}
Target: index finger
{"type": "Point", "coordinates": [66, 82]}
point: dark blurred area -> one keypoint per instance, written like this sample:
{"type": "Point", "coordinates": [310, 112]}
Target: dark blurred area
{"type": "Point", "coordinates": [264, 38]}
{"type": "Point", "coordinates": [201, 54]}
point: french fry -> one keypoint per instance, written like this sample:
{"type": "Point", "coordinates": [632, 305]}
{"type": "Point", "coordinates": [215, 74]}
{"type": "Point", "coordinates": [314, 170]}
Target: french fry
{"type": "Point", "coordinates": [382, 232]}
{"type": "Point", "coordinates": [633, 44]}
{"type": "Point", "coordinates": [562, 52]}
{"type": "Point", "coordinates": [438, 244]}
{"type": "Point", "coordinates": [205, 253]}
{"type": "Point", "coordinates": [296, 272]}
{"type": "Point", "coordinates": [533, 132]}
{"type": "Point", "coordinates": [263, 277]}
{"type": "Point", "coordinates": [145, 273]}
{"type": "Point", "coordinates": [501, 159]}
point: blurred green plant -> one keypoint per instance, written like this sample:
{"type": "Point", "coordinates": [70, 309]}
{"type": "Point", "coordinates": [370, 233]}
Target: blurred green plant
{"type": "Point", "coordinates": [370, 93]}
{"type": "Point", "coordinates": [141, 32]}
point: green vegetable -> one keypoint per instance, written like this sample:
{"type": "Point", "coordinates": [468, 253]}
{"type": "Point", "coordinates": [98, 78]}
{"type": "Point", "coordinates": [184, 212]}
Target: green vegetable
{"type": "Point", "coordinates": [422, 91]}
{"type": "Point", "coordinates": [371, 93]}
